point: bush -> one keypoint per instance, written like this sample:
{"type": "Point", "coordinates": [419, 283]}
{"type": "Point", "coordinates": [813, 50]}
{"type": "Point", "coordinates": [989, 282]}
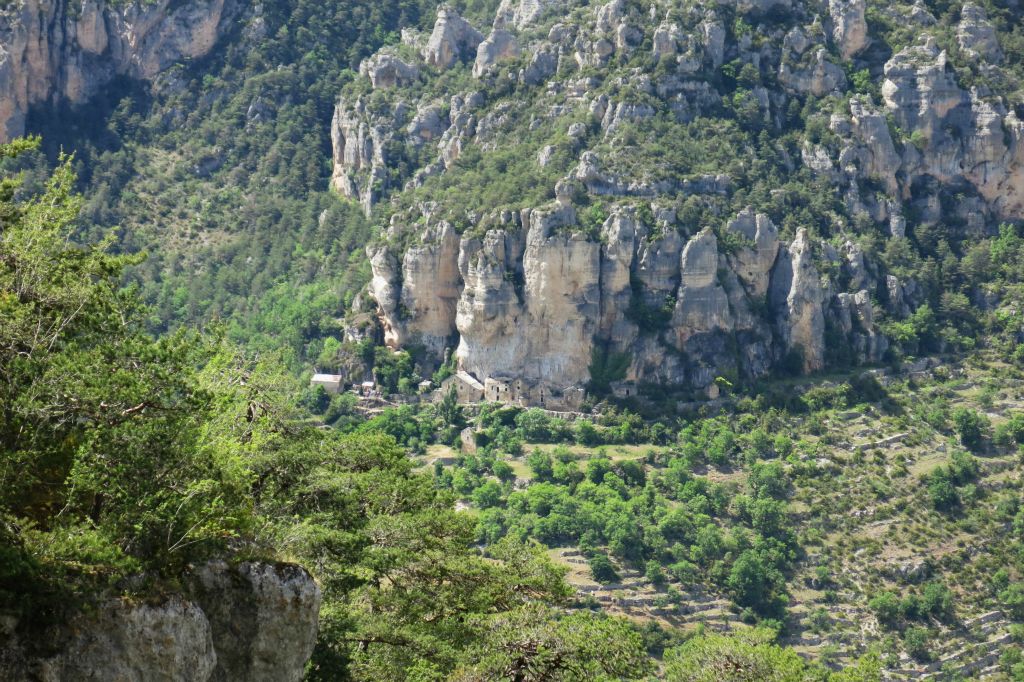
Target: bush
{"type": "Point", "coordinates": [586, 433]}
{"type": "Point", "coordinates": [937, 601]}
{"type": "Point", "coordinates": [541, 465]}
{"type": "Point", "coordinates": [655, 573]}
{"type": "Point", "coordinates": [1010, 432]}
{"type": "Point", "coordinates": [535, 425]}
{"type": "Point", "coordinates": [602, 570]}
{"type": "Point", "coordinates": [487, 495]}
{"type": "Point", "coordinates": [886, 607]}
{"type": "Point", "coordinates": [971, 427]}
{"type": "Point", "coordinates": [942, 492]}
{"type": "Point", "coordinates": [917, 641]}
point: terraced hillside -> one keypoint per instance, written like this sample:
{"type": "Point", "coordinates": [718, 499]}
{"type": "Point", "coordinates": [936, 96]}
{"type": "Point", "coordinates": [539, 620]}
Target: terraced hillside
{"type": "Point", "coordinates": [888, 556]}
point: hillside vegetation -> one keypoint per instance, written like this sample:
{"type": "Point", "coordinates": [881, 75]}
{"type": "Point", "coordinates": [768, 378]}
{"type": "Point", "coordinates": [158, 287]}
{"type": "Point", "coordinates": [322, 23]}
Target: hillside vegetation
{"type": "Point", "coordinates": [736, 288]}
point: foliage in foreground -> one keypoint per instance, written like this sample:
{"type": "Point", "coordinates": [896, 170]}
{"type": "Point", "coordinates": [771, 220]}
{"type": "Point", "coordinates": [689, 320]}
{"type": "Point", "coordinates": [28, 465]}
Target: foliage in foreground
{"type": "Point", "coordinates": [125, 455]}
{"type": "Point", "coordinates": [752, 657]}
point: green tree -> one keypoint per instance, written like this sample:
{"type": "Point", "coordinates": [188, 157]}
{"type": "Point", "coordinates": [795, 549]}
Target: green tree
{"type": "Point", "coordinates": [535, 425]}
{"type": "Point", "coordinates": [756, 582]}
{"type": "Point", "coordinates": [970, 426]}
{"type": "Point", "coordinates": [107, 468]}
{"type": "Point", "coordinates": [538, 645]}
{"type": "Point", "coordinates": [748, 656]}
{"type": "Point", "coordinates": [541, 465]}
{"type": "Point", "coordinates": [487, 495]}
{"type": "Point", "coordinates": [449, 411]}
{"type": "Point", "coordinates": [917, 641]}
{"type": "Point", "coordinates": [942, 492]}
{"type": "Point", "coordinates": [602, 570]}
{"type": "Point", "coordinates": [886, 607]}
{"type": "Point", "coordinates": [587, 433]}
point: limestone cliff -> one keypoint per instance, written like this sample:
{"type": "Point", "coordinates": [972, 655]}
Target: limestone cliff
{"type": "Point", "coordinates": [677, 274]}
{"type": "Point", "coordinates": [52, 49]}
{"type": "Point", "coordinates": [526, 303]}
{"type": "Point", "coordinates": [253, 622]}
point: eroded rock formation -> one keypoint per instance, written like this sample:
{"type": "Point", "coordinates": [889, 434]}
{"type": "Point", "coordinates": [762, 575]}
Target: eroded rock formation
{"type": "Point", "coordinates": [531, 299]}
{"type": "Point", "coordinates": [53, 49]}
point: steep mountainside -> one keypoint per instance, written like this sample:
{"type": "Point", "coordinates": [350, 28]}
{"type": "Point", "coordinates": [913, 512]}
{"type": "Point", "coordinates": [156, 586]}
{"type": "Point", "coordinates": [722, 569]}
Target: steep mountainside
{"type": "Point", "coordinates": [201, 135]}
{"type": "Point", "coordinates": [707, 191]}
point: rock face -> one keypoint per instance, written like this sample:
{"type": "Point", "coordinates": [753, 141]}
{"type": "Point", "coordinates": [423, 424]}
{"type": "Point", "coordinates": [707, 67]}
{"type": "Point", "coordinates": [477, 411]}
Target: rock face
{"type": "Point", "coordinates": [500, 45]}
{"type": "Point", "coordinates": [529, 301]}
{"type": "Point", "coordinates": [263, 619]}
{"type": "Point", "coordinates": [849, 26]}
{"type": "Point", "coordinates": [976, 35]}
{"type": "Point", "coordinates": [529, 307]}
{"type": "Point", "coordinates": [671, 273]}
{"type": "Point", "coordinates": [387, 71]}
{"type": "Point", "coordinates": [59, 49]}
{"type": "Point", "coordinates": [806, 68]}
{"type": "Point", "coordinates": [254, 622]}
{"type": "Point", "coordinates": [171, 642]}
{"type": "Point", "coordinates": [960, 136]}
{"type": "Point", "coordinates": [519, 14]}
{"type": "Point", "coordinates": [798, 298]}
{"type": "Point", "coordinates": [358, 142]}
{"type": "Point", "coordinates": [419, 300]}
{"type": "Point", "coordinates": [452, 40]}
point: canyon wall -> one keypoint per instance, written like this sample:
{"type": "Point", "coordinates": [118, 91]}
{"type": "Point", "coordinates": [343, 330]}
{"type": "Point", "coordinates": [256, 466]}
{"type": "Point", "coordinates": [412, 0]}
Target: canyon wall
{"type": "Point", "coordinates": [52, 49]}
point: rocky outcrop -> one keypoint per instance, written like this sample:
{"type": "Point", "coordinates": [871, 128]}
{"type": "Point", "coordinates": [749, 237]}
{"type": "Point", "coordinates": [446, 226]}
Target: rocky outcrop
{"type": "Point", "coordinates": [530, 305]}
{"type": "Point", "coordinates": [52, 49]}
{"type": "Point", "coordinates": [386, 70]}
{"type": "Point", "coordinates": [954, 135]}
{"type": "Point", "coordinates": [254, 622]}
{"type": "Point", "coordinates": [701, 302]}
{"type": "Point", "coordinates": [528, 301]}
{"type": "Point", "coordinates": [849, 26]}
{"type": "Point", "coordinates": [263, 619]}
{"type": "Point", "coordinates": [500, 45]}
{"type": "Point", "coordinates": [169, 642]}
{"type": "Point", "coordinates": [715, 292]}
{"type": "Point", "coordinates": [951, 138]}
{"type": "Point", "coordinates": [358, 140]}
{"type": "Point", "coordinates": [976, 35]}
{"type": "Point", "coordinates": [519, 14]}
{"type": "Point", "coordinates": [799, 298]}
{"type": "Point", "coordinates": [418, 301]}
{"type": "Point", "coordinates": [753, 262]}
{"type": "Point", "coordinates": [452, 40]}
{"type": "Point", "coordinates": [919, 90]}
{"type": "Point", "coordinates": [805, 68]}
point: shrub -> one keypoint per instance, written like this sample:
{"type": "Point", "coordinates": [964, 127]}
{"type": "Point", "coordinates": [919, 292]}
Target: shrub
{"type": "Point", "coordinates": [917, 641]}
{"type": "Point", "coordinates": [602, 569]}
{"type": "Point", "coordinates": [971, 427]}
{"type": "Point", "coordinates": [886, 607]}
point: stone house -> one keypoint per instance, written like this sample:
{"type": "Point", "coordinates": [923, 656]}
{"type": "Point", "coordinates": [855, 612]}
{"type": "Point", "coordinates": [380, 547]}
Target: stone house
{"type": "Point", "coordinates": [331, 382]}
{"type": "Point", "coordinates": [467, 388]}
